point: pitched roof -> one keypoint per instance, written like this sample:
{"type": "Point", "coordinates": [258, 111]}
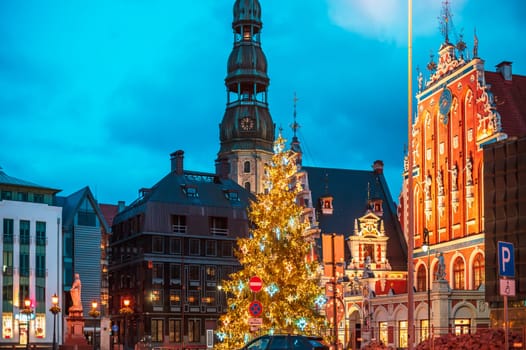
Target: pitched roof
{"type": "Point", "coordinates": [109, 211]}
{"type": "Point", "coordinates": [211, 191]}
{"type": "Point", "coordinates": [13, 181]}
{"type": "Point", "coordinates": [351, 190]}
{"type": "Point", "coordinates": [510, 100]}
{"type": "Point", "coordinates": [71, 204]}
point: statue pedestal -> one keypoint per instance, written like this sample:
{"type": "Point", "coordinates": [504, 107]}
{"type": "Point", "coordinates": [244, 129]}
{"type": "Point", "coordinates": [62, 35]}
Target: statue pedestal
{"type": "Point", "coordinates": [75, 329]}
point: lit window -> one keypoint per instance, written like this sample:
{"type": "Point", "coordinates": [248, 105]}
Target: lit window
{"type": "Point", "coordinates": [478, 271]}
{"type": "Point", "coordinates": [458, 274]}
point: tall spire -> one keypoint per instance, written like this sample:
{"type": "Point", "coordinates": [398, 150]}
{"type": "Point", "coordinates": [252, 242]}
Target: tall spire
{"type": "Point", "coordinates": [247, 130]}
{"type": "Point", "coordinates": [445, 20]}
{"type": "Point", "coordinates": [295, 144]}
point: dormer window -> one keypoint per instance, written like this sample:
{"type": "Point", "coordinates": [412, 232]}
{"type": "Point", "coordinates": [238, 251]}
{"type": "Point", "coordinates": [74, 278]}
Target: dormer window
{"type": "Point", "coordinates": [190, 191]}
{"type": "Point", "coordinates": [231, 195]}
{"type": "Point", "coordinates": [326, 205]}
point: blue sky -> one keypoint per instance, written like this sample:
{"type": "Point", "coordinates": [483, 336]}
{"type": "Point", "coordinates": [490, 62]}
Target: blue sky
{"type": "Point", "coordinates": [99, 93]}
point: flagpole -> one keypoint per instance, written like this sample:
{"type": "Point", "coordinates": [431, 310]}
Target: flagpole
{"type": "Point", "coordinates": [410, 209]}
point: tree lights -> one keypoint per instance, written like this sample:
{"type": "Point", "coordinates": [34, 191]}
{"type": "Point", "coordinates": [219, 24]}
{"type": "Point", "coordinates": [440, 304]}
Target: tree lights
{"type": "Point", "coordinates": [276, 252]}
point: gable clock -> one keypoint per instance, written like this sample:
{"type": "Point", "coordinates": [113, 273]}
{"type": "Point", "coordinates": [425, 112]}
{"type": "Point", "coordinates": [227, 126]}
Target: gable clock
{"type": "Point", "coordinates": [444, 104]}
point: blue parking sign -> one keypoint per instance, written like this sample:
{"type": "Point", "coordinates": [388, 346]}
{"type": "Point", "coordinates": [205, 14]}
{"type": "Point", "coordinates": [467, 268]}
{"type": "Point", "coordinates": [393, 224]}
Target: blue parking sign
{"type": "Point", "coordinates": [506, 259]}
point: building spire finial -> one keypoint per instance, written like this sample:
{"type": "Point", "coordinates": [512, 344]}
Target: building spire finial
{"type": "Point", "coordinates": [295, 126]}
{"type": "Point", "coordinates": [444, 20]}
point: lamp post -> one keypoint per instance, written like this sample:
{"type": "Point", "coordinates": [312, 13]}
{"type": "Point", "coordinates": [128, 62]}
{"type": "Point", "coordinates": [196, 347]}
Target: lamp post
{"type": "Point", "coordinates": [126, 310]}
{"type": "Point", "coordinates": [427, 249]}
{"type": "Point", "coordinates": [95, 314]}
{"type": "Point", "coordinates": [55, 309]}
{"type": "Point", "coordinates": [28, 312]}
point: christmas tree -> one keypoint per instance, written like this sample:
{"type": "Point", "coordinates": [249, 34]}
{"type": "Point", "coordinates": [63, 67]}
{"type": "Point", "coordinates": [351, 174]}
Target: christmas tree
{"type": "Point", "coordinates": [278, 253]}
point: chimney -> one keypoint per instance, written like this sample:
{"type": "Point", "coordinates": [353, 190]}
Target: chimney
{"type": "Point", "coordinates": [378, 167]}
{"type": "Point", "coordinates": [121, 205]}
{"type": "Point", "coordinates": [504, 68]}
{"type": "Point", "coordinates": [222, 168]}
{"type": "Point", "coordinates": [176, 159]}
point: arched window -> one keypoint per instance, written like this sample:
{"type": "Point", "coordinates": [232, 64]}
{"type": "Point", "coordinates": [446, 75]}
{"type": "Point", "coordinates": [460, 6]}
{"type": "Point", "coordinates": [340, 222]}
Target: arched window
{"type": "Point", "coordinates": [247, 167]}
{"type": "Point", "coordinates": [458, 274]}
{"type": "Point", "coordinates": [421, 279]}
{"type": "Point", "coordinates": [478, 271]}
{"type": "Point", "coordinates": [247, 186]}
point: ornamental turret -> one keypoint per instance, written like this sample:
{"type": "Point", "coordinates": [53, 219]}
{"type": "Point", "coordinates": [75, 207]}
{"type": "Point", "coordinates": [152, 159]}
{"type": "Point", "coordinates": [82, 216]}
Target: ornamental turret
{"type": "Point", "coordinates": [247, 130]}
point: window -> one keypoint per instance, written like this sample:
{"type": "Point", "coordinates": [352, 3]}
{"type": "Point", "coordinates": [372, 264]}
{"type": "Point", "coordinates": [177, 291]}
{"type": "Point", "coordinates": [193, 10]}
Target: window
{"type": "Point", "coordinates": [157, 245]}
{"type": "Point", "coordinates": [193, 272]}
{"type": "Point", "coordinates": [211, 273]}
{"type": "Point", "coordinates": [22, 196]}
{"type": "Point", "coordinates": [232, 196]}
{"type": "Point", "coordinates": [7, 195]}
{"type": "Point", "coordinates": [157, 298]}
{"type": "Point", "coordinates": [458, 273]}
{"type": "Point", "coordinates": [86, 218]}
{"type": "Point", "coordinates": [175, 246]}
{"type": "Point", "coordinates": [194, 247]}
{"type": "Point", "coordinates": [158, 273]}
{"type": "Point", "coordinates": [175, 330]}
{"type": "Point", "coordinates": [41, 232]}
{"type": "Point", "coordinates": [478, 271]}
{"type": "Point", "coordinates": [194, 330]}
{"type": "Point", "coordinates": [24, 263]}
{"type": "Point", "coordinates": [175, 297]}
{"type": "Point", "coordinates": [8, 231]}
{"type": "Point", "coordinates": [368, 250]}
{"type": "Point", "coordinates": [38, 198]}
{"type": "Point", "coordinates": [210, 249]}
{"type": "Point", "coordinates": [218, 225]}
{"type": "Point", "coordinates": [382, 332]}
{"type": "Point", "coordinates": [24, 232]}
{"type": "Point", "coordinates": [179, 223]}
{"type": "Point", "coordinates": [424, 329]}
{"type": "Point", "coordinates": [175, 275]}
{"type": "Point", "coordinates": [7, 263]}
{"type": "Point", "coordinates": [190, 191]}
{"type": "Point", "coordinates": [402, 334]}
{"type": "Point", "coordinates": [247, 186]}
{"type": "Point", "coordinates": [462, 326]}
{"type": "Point", "coordinates": [246, 167]}
{"type": "Point", "coordinates": [193, 297]}
{"type": "Point", "coordinates": [40, 265]}
{"type": "Point", "coordinates": [421, 279]}
{"type": "Point", "coordinates": [157, 330]}
{"type": "Point", "coordinates": [226, 249]}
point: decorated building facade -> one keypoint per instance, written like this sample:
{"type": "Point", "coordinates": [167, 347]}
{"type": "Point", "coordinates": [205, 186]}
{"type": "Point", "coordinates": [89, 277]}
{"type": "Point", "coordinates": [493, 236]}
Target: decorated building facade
{"type": "Point", "coordinates": [461, 107]}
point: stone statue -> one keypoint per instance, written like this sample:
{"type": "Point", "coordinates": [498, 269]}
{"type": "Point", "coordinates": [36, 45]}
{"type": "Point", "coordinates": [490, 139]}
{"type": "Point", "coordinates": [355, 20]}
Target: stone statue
{"type": "Point", "coordinates": [441, 269]}
{"type": "Point", "coordinates": [469, 172]}
{"type": "Point", "coordinates": [75, 294]}
{"type": "Point", "coordinates": [367, 272]}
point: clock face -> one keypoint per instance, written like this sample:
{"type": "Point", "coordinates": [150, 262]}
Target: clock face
{"type": "Point", "coordinates": [247, 124]}
{"type": "Point", "coordinates": [444, 103]}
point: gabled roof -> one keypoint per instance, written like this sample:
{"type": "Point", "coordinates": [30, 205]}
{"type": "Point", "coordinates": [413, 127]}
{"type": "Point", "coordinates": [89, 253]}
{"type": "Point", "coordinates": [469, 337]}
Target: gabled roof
{"type": "Point", "coordinates": [71, 204]}
{"type": "Point", "coordinates": [351, 190]}
{"type": "Point", "coordinates": [13, 181]}
{"type": "Point", "coordinates": [510, 100]}
{"type": "Point", "coordinates": [109, 211]}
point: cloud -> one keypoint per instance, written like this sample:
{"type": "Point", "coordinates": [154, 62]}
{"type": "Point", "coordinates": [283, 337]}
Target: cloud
{"type": "Point", "coordinates": [386, 20]}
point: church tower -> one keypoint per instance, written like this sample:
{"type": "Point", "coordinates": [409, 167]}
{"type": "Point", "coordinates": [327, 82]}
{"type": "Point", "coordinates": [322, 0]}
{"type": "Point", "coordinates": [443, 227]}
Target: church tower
{"type": "Point", "coordinates": [247, 130]}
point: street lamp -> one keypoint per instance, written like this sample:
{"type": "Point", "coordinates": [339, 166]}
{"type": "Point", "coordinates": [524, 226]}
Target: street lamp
{"type": "Point", "coordinates": [427, 249]}
{"type": "Point", "coordinates": [95, 314]}
{"type": "Point", "coordinates": [28, 312]}
{"type": "Point", "coordinates": [55, 309]}
{"type": "Point", "coordinates": [126, 310]}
